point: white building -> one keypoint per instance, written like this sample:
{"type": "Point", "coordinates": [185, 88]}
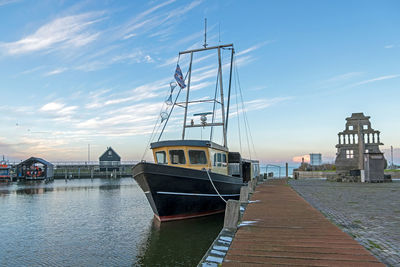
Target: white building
{"type": "Point", "coordinates": [315, 159]}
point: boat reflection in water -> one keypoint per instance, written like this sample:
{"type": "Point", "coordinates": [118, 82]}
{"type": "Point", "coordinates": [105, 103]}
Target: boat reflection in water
{"type": "Point", "coordinates": [179, 243]}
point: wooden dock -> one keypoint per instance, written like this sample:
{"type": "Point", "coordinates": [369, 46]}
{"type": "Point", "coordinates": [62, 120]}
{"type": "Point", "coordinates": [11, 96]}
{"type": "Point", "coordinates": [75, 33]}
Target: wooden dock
{"type": "Point", "coordinates": [280, 228]}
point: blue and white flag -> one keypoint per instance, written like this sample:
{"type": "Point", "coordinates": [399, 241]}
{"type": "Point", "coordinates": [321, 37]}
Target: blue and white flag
{"type": "Point", "coordinates": [179, 77]}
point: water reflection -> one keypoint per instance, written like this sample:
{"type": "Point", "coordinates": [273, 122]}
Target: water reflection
{"type": "Point", "coordinates": [179, 243]}
{"type": "Point", "coordinates": [44, 186]}
{"type": "Point", "coordinates": [98, 222]}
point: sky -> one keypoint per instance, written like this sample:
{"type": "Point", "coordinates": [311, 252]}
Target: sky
{"type": "Point", "coordinates": [92, 73]}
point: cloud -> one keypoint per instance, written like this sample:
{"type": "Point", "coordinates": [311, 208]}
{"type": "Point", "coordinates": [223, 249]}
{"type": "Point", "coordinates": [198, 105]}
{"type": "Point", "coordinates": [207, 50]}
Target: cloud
{"type": "Point", "coordinates": [389, 46]}
{"type": "Point", "coordinates": [53, 106]}
{"type": "Point", "coordinates": [381, 78]}
{"type": "Point", "coordinates": [299, 159]}
{"type": "Point", "coordinates": [7, 2]}
{"type": "Point", "coordinates": [56, 108]}
{"type": "Point", "coordinates": [343, 77]}
{"type": "Point", "coordinates": [263, 103]}
{"type": "Point", "coordinates": [254, 47]}
{"type": "Point", "coordinates": [136, 57]}
{"type": "Point", "coordinates": [56, 71]}
{"type": "Point", "coordinates": [147, 21]}
{"type": "Point", "coordinates": [60, 33]}
{"type": "Point", "coordinates": [136, 94]}
{"type": "Point", "coordinates": [139, 21]}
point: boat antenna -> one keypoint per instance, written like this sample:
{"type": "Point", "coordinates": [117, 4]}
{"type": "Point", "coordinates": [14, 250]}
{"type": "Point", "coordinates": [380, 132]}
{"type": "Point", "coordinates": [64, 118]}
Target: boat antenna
{"type": "Point", "coordinates": [219, 32]}
{"type": "Point", "coordinates": [205, 33]}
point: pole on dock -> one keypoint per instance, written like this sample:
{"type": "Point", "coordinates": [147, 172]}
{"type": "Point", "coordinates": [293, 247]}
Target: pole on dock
{"type": "Point", "coordinates": [231, 214]}
{"type": "Point", "coordinates": [287, 170]}
{"type": "Point", "coordinates": [244, 194]}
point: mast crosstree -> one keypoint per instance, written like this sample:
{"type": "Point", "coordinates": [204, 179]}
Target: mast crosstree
{"type": "Point", "coordinates": [225, 113]}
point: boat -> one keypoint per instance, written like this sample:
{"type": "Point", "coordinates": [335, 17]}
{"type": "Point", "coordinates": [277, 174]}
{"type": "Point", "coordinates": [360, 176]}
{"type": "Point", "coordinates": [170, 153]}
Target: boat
{"type": "Point", "coordinates": [194, 177]}
{"type": "Point", "coordinates": [5, 171]}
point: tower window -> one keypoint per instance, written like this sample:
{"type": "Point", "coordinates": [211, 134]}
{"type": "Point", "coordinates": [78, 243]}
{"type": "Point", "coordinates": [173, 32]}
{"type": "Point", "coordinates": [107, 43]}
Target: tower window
{"type": "Point", "coordinates": [349, 154]}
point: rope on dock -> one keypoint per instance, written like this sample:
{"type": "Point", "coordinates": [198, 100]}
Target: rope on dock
{"type": "Point", "coordinates": [209, 177]}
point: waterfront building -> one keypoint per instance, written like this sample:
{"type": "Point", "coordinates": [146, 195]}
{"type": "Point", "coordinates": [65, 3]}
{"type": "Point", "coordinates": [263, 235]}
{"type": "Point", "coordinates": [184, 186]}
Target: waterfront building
{"type": "Point", "coordinates": [110, 160]}
{"type": "Point", "coordinates": [35, 169]}
{"type": "Point", "coordinates": [358, 153]}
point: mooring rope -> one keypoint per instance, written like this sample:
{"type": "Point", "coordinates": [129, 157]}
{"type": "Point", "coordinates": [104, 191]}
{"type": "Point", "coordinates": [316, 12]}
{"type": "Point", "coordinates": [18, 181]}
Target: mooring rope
{"type": "Point", "coordinates": [209, 177]}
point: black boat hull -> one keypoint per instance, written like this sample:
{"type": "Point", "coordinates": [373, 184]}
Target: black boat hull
{"type": "Point", "coordinates": [178, 193]}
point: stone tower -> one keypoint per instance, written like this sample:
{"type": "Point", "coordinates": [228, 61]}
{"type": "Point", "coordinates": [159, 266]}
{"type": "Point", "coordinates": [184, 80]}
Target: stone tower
{"type": "Point", "coordinates": [358, 148]}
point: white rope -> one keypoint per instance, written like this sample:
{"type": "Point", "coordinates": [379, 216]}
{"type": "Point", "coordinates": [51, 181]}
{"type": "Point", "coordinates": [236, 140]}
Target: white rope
{"type": "Point", "coordinates": [209, 177]}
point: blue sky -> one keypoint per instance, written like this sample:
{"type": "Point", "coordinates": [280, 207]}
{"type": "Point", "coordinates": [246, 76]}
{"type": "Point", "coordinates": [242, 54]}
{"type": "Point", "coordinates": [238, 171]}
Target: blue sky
{"type": "Point", "coordinates": [75, 73]}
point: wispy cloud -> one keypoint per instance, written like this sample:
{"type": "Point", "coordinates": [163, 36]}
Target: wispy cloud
{"type": "Point", "coordinates": [258, 104]}
{"type": "Point", "coordinates": [136, 57]}
{"type": "Point", "coordinates": [58, 109]}
{"type": "Point", "coordinates": [381, 78]}
{"type": "Point", "coordinates": [389, 46]}
{"type": "Point", "coordinates": [139, 21]}
{"type": "Point", "coordinates": [65, 32]}
{"type": "Point", "coordinates": [254, 47]}
{"type": "Point", "coordinates": [140, 93]}
{"type": "Point", "coordinates": [343, 77]}
{"type": "Point", "coordinates": [147, 20]}
{"type": "Point", "coordinates": [7, 2]}
{"type": "Point", "coordinates": [55, 72]}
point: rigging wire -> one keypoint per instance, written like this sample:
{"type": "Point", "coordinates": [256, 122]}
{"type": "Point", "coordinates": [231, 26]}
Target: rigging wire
{"type": "Point", "coordinates": [238, 116]}
{"type": "Point", "coordinates": [246, 121]}
{"type": "Point", "coordinates": [154, 131]}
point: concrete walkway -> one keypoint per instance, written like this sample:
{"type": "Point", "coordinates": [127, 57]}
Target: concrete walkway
{"type": "Point", "coordinates": [281, 228]}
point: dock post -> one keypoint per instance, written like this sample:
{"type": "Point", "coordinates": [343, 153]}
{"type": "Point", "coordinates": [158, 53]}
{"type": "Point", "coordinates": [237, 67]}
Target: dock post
{"type": "Point", "coordinates": [287, 170]}
{"type": "Point", "coordinates": [244, 194]}
{"type": "Point", "coordinates": [231, 214]}
{"type": "Point", "coordinates": [91, 173]}
{"type": "Point", "coordinates": [250, 186]}
{"type": "Point", "coordinates": [79, 173]}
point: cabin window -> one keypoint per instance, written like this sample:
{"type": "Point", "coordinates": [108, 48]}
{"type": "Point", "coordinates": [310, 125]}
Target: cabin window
{"type": "Point", "coordinates": [220, 159]}
{"type": "Point", "coordinates": [197, 157]}
{"type": "Point", "coordinates": [161, 157]}
{"type": "Point", "coordinates": [177, 156]}
{"type": "Point", "coordinates": [224, 159]}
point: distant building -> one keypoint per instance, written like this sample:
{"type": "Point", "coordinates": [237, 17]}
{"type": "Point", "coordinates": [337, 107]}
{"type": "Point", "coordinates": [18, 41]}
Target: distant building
{"type": "Point", "coordinates": [110, 160]}
{"type": "Point", "coordinates": [315, 159]}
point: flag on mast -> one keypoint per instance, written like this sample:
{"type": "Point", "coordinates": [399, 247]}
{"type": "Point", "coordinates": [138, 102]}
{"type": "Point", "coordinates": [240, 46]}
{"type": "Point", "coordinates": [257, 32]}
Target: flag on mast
{"type": "Point", "coordinates": [179, 77]}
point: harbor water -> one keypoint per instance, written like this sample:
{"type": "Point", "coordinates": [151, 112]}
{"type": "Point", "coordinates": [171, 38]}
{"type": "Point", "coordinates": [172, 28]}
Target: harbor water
{"type": "Point", "coordinates": [98, 222]}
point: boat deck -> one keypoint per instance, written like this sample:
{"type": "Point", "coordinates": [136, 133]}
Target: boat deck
{"type": "Point", "coordinates": [281, 228]}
